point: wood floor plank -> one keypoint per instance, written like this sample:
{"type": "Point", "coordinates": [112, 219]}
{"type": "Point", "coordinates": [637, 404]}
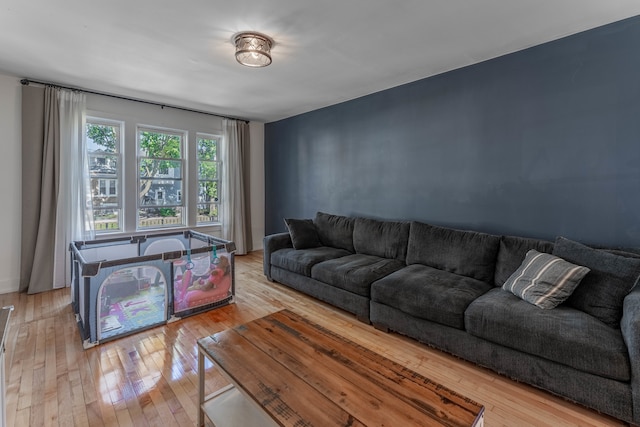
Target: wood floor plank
{"type": "Point", "coordinates": [152, 375]}
{"type": "Point", "coordinates": [26, 395]}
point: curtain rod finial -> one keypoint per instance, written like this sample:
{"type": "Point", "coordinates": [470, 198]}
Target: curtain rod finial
{"type": "Point", "coordinates": [24, 82]}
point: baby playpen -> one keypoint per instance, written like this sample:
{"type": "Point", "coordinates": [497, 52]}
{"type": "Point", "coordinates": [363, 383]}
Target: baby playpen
{"type": "Point", "coordinates": [124, 285]}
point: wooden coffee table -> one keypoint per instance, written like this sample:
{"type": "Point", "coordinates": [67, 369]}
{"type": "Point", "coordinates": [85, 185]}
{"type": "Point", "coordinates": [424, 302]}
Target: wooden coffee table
{"type": "Point", "coordinates": [288, 371]}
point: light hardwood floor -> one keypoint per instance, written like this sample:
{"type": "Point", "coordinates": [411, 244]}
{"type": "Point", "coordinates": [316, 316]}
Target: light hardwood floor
{"type": "Point", "coordinates": [150, 378]}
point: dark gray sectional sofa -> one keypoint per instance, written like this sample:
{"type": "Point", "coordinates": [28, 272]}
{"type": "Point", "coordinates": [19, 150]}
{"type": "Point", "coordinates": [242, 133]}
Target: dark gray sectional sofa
{"type": "Point", "coordinates": [443, 287]}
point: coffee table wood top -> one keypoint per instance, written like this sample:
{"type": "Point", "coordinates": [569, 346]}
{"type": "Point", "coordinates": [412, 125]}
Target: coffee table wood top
{"type": "Point", "coordinates": [302, 375]}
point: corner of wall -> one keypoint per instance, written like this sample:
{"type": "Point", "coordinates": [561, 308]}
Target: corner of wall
{"type": "Point", "coordinates": [11, 175]}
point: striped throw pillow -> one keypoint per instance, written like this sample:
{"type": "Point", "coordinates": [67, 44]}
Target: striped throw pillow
{"type": "Point", "coordinates": [544, 279]}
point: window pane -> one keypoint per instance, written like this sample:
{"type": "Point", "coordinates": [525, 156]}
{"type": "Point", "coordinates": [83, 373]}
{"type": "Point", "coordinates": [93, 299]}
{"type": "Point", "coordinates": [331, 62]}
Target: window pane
{"type": "Point", "coordinates": [207, 149]}
{"type": "Point", "coordinates": [103, 138]}
{"type": "Point", "coordinates": [160, 168]}
{"type": "Point", "coordinates": [207, 213]}
{"type": "Point", "coordinates": [158, 192]}
{"type": "Point", "coordinates": [208, 191]}
{"type": "Point", "coordinates": [208, 175]}
{"type": "Point", "coordinates": [159, 145]}
{"type": "Point", "coordinates": [107, 220]}
{"type": "Point", "coordinates": [160, 217]}
{"type": "Point", "coordinates": [101, 164]}
{"type": "Point", "coordinates": [100, 197]}
{"type": "Point", "coordinates": [103, 151]}
{"type": "Point", "coordinates": [207, 170]}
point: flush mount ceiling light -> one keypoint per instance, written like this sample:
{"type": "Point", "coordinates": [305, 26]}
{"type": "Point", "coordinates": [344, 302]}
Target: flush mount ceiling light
{"type": "Point", "coordinates": [253, 49]}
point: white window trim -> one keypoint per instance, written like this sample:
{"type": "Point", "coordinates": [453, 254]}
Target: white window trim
{"type": "Point", "coordinates": [181, 204]}
{"type": "Point", "coordinates": [218, 138]}
{"type": "Point", "coordinates": [96, 120]}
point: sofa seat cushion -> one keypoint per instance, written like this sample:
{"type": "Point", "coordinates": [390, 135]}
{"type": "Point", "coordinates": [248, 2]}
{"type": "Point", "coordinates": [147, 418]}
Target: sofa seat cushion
{"type": "Point", "coordinates": [563, 335]}
{"type": "Point", "coordinates": [301, 260]}
{"type": "Point", "coordinates": [355, 273]}
{"type": "Point", "coordinates": [428, 293]}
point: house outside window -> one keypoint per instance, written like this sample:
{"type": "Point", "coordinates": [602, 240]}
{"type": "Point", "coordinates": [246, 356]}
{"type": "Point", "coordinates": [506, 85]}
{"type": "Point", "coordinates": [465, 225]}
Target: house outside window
{"type": "Point", "coordinates": [104, 148]}
{"type": "Point", "coordinates": [160, 178]}
{"type": "Point", "coordinates": [107, 187]}
{"type": "Point", "coordinates": [208, 178]}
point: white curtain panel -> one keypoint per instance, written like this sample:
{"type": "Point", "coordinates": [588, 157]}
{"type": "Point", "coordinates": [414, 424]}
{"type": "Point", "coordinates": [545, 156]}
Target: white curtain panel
{"type": "Point", "coordinates": [74, 218]}
{"type": "Point", "coordinates": [232, 194]}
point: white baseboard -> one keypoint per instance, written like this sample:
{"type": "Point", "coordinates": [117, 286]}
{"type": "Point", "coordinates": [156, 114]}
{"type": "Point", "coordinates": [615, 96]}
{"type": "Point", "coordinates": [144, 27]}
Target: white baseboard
{"type": "Point", "coordinates": [9, 285]}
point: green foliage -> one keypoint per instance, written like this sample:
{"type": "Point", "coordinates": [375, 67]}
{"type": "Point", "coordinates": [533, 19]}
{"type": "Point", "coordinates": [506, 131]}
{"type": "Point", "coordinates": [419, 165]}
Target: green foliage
{"type": "Point", "coordinates": [208, 170]}
{"type": "Point", "coordinates": [207, 149]}
{"type": "Point", "coordinates": [209, 190]}
{"type": "Point", "coordinates": [167, 212]}
{"type": "Point", "coordinates": [103, 135]}
{"type": "Point", "coordinates": [160, 145]}
{"type": "Point", "coordinates": [157, 145]}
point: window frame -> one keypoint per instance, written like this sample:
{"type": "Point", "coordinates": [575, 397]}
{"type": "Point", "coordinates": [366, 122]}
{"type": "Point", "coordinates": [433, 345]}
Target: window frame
{"type": "Point", "coordinates": [159, 223]}
{"type": "Point", "coordinates": [119, 155]}
{"type": "Point", "coordinates": [218, 179]}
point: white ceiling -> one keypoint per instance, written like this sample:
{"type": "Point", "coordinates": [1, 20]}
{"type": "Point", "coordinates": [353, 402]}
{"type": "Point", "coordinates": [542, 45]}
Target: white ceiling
{"type": "Point", "coordinates": [326, 52]}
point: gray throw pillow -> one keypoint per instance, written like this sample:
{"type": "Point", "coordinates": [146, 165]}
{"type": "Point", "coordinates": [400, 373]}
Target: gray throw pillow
{"type": "Point", "coordinates": [602, 291]}
{"type": "Point", "coordinates": [544, 280]}
{"type": "Point", "coordinates": [303, 233]}
{"type": "Point", "coordinates": [512, 251]}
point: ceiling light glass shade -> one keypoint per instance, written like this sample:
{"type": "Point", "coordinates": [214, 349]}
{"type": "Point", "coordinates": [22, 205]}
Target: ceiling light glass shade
{"type": "Point", "coordinates": [253, 50]}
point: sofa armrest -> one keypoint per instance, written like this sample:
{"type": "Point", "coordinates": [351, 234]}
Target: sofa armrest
{"type": "Point", "coordinates": [630, 325]}
{"type": "Point", "coordinates": [271, 244]}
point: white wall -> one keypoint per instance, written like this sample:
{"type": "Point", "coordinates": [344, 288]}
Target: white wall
{"type": "Point", "coordinates": [11, 178]}
{"type": "Point", "coordinates": [10, 182]}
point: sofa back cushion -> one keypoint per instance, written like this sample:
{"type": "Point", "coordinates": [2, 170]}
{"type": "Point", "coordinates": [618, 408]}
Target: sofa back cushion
{"type": "Point", "coordinates": [335, 231]}
{"type": "Point", "coordinates": [512, 252]}
{"type": "Point", "coordinates": [467, 253]}
{"type": "Point", "coordinates": [602, 291]}
{"type": "Point", "coordinates": [385, 239]}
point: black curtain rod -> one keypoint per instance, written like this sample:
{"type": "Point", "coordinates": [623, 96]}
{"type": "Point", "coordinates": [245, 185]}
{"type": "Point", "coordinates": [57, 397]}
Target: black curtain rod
{"type": "Point", "coordinates": [25, 82]}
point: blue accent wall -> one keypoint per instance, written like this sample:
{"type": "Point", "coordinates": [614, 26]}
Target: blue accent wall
{"type": "Point", "coordinates": [542, 142]}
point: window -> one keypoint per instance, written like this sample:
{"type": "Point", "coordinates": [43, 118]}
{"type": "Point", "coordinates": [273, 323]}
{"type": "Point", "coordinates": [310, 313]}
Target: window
{"type": "Point", "coordinates": [160, 178]}
{"type": "Point", "coordinates": [104, 147]}
{"type": "Point", "coordinates": [208, 178]}
{"type": "Point", "coordinates": [146, 177]}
